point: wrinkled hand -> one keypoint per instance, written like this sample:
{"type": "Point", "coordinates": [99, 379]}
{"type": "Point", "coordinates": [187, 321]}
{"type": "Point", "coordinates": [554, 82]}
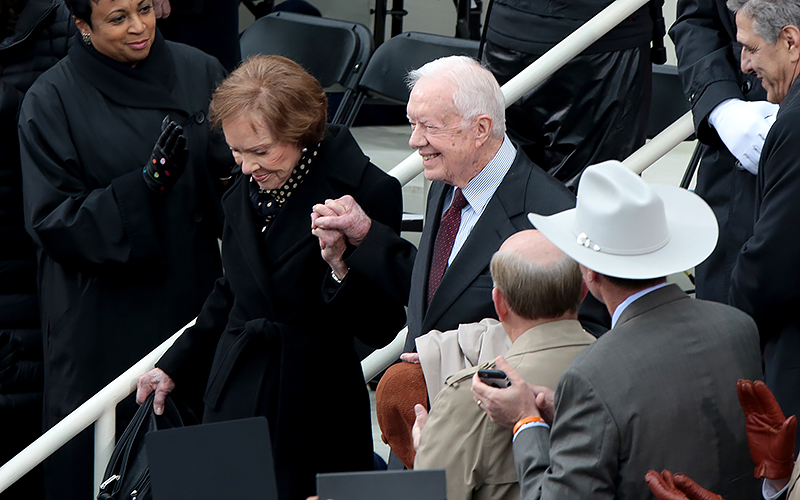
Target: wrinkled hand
{"type": "Point", "coordinates": [344, 215]}
{"type": "Point", "coordinates": [419, 424]}
{"type": "Point", "coordinates": [168, 160]}
{"type": "Point", "coordinates": [509, 405]}
{"type": "Point", "coordinates": [410, 357]}
{"type": "Point", "coordinates": [162, 9]}
{"type": "Point", "coordinates": [769, 434]}
{"type": "Point", "coordinates": [332, 244]}
{"type": "Point", "coordinates": [154, 380]}
{"type": "Point", "coordinates": [665, 486]}
{"type": "Point", "coordinates": [743, 126]}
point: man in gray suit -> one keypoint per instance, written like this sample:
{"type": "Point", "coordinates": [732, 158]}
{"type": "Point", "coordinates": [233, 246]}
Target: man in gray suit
{"type": "Point", "coordinates": [659, 389]}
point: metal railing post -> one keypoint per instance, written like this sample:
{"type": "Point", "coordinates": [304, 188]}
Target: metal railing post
{"type": "Point", "coordinates": [104, 430]}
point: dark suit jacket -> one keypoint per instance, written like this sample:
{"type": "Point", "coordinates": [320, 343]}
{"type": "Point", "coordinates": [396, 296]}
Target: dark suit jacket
{"type": "Point", "coordinates": [270, 341]}
{"type": "Point", "coordinates": [764, 283]}
{"type": "Point", "coordinates": [465, 294]}
{"type": "Point", "coordinates": [708, 62]}
{"type": "Point", "coordinates": [658, 391]}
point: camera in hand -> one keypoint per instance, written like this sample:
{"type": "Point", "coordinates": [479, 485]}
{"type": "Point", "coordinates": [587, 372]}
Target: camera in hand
{"type": "Point", "coordinates": [494, 378]}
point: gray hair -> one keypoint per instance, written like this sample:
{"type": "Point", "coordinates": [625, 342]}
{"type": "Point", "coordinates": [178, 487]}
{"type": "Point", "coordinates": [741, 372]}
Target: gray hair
{"type": "Point", "coordinates": [477, 91]}
{"type": "Point", "coordinates": [533, 291]}
{"type": "Point", "coordinates": [769, 16]}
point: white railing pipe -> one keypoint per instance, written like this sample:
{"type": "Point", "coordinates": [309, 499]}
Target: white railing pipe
{"type": "Point", "coordinates": [381, 359]}
{"type": "Point", "coordinates": [544, 67]}
{"type": "Point", "coordinates": [661, 144]}
{"type": "Point", "coordinates": [82, 417]}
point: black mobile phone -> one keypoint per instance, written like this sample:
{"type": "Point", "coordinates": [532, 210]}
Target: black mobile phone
{"type": "Point", "coordinates": [494, 378]}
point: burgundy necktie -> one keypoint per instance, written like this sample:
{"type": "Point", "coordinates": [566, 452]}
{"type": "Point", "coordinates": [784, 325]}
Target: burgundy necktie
{"type": "Point", "coordinates": [445, 238]}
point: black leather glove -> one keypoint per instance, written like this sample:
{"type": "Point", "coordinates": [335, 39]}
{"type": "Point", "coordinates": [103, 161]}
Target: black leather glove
{"type": "Point", "coordinates": [169, 158]}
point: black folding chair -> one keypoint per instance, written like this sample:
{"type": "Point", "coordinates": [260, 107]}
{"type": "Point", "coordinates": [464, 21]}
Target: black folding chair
{"type": "Point", "coordinates": [384, 80]}
{"type": "Point", "coordinates": [334, 52]}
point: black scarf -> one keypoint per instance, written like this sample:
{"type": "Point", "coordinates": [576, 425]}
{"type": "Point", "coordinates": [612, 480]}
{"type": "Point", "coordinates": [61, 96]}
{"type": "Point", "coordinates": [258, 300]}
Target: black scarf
{"type": "Point", "coordinates": [148, 85]}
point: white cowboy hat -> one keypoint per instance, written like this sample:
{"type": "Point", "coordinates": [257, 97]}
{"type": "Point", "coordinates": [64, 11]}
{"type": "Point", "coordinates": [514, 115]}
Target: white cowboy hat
{"type": "Point", "coordinates": [626, 228]}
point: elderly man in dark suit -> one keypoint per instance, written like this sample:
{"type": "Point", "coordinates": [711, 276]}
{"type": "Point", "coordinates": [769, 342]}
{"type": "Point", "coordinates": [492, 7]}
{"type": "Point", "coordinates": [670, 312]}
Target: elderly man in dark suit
{"type": "Point", "coordinates": [661, 381]}
{"type": "Point", "coordinates": [482, 188]}
{"type": "Point", "coordinates": [765, 275]}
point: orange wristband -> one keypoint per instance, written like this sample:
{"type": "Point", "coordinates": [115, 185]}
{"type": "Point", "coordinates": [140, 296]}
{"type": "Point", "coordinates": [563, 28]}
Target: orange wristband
{"type": "Point", "coordinates": [527, 420]}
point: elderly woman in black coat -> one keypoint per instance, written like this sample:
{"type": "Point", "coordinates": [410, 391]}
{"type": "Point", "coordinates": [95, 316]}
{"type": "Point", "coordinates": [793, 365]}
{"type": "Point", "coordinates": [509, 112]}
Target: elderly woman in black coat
{"type": "Point", "coordinates": [122, 205]}
{"type": "Point", "coordinates": [275, 338]}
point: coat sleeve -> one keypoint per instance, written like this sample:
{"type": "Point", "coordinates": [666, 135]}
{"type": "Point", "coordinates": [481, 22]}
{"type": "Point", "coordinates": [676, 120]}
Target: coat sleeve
{"type": "Point", "coordinates": [188, 361]}
{"type": "Point", "coordinates": [763, 281]}
{"type": "Point", "coordinates": [366, 292]}
{"type": "Point", "coordinates": [583, 448]}
{"type": "Point", "coordinates": [71, 221]}
{"type": "Point", "coordinates": [707, 64]}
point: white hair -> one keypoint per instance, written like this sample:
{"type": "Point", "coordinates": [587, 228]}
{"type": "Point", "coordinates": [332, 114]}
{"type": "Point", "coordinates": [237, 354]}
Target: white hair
{"type": "Point", "coordinates": [476, 90]}
{"type": "Point", "coordinates": [768, 16]}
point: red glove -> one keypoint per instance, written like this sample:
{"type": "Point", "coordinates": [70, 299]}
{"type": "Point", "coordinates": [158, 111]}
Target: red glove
{"type": "Point", "coordinates": [769, 434]}
{"type": "Point", "coordinates": [665, 486]}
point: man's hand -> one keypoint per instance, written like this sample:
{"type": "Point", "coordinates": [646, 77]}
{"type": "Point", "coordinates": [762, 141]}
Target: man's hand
{"type": "Point", "coordinates": [332, 245]}
{"type": "Point", "coordinates": [419, 424]}
{"type": "Point", "coordinates": [665, 486]}
{"type": "Point", "coordinates": [410, 357]}
{"type": "Point", "coordinates": [162, 9]}
{"type": "Point", "coordinates": [769, 434]}
{"type": "Point", "coordinates": [743, 126]}
{"type": "Point", "coordinates": [344, 215]}
{"type": "Point", "coordinates": [509, 405]}
{"type": "Point", "coordinates": [154, 380]}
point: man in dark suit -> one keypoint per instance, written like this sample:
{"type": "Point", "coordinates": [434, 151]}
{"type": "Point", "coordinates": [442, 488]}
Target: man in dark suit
{"type": "Point", "coordinates": [662, 381]}
{"type": "Point", "coordinates": [457, 115]}
{"type": "Point", "coordinates": [731, 120]}
{"type": "Point", "coordinates": [765, 275]}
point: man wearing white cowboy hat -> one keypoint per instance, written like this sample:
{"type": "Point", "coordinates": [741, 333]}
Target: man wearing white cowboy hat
{"type": "Point", "coordinates": [659, 389]}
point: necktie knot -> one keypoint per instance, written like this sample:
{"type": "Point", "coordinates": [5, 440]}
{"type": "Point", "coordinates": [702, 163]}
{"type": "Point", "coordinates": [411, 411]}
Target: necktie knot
{"type": "Point", "coordinates": [459, 202]}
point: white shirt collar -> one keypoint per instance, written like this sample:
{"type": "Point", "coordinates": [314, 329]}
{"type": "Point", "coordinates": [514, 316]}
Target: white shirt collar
{"type": "Point", "coordinates": [631, 298]}
{"type": "Point", "coordinates": [480, 189]}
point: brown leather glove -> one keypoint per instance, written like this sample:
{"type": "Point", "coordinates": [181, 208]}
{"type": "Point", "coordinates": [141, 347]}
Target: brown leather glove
{"type": "Point", "coordinates": [665, 486]}
{"type": "Point", "coordinates": [769, 434]}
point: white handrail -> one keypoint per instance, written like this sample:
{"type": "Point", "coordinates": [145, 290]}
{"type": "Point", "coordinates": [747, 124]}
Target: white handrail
{"type": "Point", "coordinates": [661, 144]}
{"type": "Point", "coordinates": [104, 401]}
{"type": "Point", "coordinates": [544, 67]}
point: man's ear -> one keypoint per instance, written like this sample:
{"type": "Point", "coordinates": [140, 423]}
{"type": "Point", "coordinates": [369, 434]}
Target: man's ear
{"type": "Point", "coordinates": [791, 36]}
{"type": "Point", "coordinates": [483, 129]}
{"type": "Point", "coordinates": [500, 305]}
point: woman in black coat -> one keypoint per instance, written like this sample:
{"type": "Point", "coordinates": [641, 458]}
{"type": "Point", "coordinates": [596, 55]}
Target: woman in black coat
{"type": "Point", "coordinates": [275, 338]}
{"type": "Point", "coordinates": [126, 253]}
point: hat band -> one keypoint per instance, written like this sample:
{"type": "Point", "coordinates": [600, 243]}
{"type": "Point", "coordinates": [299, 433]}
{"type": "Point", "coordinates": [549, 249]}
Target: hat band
{"type": "Point", "coordinates": [584, 241]}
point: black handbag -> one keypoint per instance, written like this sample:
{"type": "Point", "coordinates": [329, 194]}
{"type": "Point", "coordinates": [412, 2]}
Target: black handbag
{"type": "Point", "coordinates": [127, 475]}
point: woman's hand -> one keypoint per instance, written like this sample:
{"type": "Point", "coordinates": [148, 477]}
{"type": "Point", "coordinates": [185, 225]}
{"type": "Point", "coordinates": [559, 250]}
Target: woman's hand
{"type": "Point", "coordinates": [154, 380]}
{"type": "Point", "coordinates": [332, 244]}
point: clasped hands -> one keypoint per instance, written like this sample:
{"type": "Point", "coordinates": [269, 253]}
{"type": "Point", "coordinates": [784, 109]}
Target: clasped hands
{"type": "Point", "coordinates": [743, 126]}
{"type": "Point", "coordinates": [770, 436]}
{"type": "Point", "coordinates": [337, 223]}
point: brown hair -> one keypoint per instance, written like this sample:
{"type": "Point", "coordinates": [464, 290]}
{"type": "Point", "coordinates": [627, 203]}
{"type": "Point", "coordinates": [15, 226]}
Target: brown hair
{"type": "Point", "coordinates": [277, 92]}
{"type": "Point", "coordinates": [533, 291]}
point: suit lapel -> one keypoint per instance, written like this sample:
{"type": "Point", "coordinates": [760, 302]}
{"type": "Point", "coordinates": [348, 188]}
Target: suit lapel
{"type": "Point", "coordinates": [422, 264]}
{"type": "Point", "coordinates": [493, 227]}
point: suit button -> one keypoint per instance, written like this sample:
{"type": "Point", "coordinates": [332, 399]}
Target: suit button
{"type": "Point", "coordinates": [198, 217]}
{"type": "Point", "coordinates": [747, 86]}
{"type": "Point", "coordinates": [691, 98]}
{"type": "Point", "coordinates": [200, 117]}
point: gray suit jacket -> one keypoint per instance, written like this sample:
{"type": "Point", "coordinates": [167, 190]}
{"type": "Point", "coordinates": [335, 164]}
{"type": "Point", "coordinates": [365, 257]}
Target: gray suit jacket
{"type": "Point", "coordinates": [656, 392]}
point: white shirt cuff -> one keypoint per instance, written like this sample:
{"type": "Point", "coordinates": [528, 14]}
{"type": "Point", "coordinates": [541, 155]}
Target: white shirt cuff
{"type": "Point", "coordinates": [769, 492]}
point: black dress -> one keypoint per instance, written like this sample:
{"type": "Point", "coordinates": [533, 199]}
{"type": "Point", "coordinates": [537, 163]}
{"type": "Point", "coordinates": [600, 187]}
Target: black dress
{"type": "Point", "coordinates": [276, 336]}
{"type": "Point", "coordinates": [120, 269]}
